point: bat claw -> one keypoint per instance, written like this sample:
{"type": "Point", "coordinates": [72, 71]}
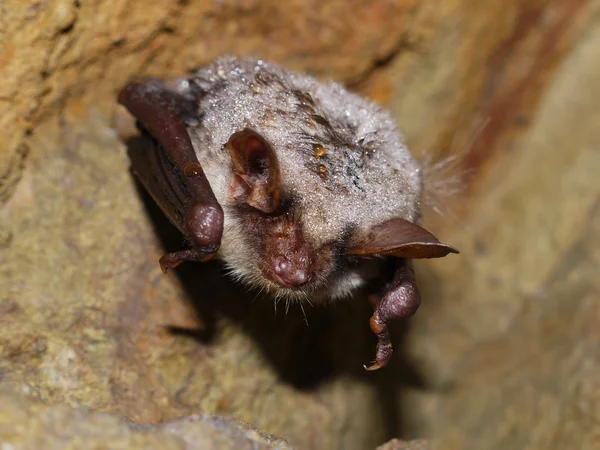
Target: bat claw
{"type": "Point", "coordinates": [372, 367]}
{"type": "Point", "coordinates": [383, 353]}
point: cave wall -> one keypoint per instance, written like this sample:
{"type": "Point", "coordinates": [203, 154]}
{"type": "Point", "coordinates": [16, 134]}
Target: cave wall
{"type": "Point", "coordinates": [506, 330]}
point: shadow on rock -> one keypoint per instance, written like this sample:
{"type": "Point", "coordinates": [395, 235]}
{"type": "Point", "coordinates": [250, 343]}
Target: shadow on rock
{"type": "Point", "coordinates": [306, 345]}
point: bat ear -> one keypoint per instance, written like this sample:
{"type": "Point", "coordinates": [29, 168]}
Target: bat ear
{"type": "Point", "coordinates": [256, 170]}
{"type": "Point", "coordinates": [401, 238]}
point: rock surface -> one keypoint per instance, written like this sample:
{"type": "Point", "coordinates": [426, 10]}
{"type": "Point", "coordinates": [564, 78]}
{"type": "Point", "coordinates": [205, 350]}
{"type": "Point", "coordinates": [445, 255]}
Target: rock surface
{"type": "Point", "coordinates": [60, 53]}
{"type": "Point", "coordinates": [515, 340]}
{"type": "Point", "coordinates": [396, 444]}
{"type": "Point", "coordinates": [28, 425]}
{"type": "Point", "coordinates": [502, 352]}
{"type": "Point", "coordinates": [88, 318]}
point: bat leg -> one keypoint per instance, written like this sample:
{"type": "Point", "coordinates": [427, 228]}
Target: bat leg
{"type": "Point", "coordinates": [172, 260]}
{"type": "Point", "coordinates": [400, 301]}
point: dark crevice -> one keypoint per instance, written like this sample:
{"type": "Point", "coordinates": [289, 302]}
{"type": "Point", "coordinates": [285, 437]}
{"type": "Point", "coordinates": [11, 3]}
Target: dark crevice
{"type": "Point", "coordinates": [404, 45]}
{"type": "Point", "coordinates": [68, 28]}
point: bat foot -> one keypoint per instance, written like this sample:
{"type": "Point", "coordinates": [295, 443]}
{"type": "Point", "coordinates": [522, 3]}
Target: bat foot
{"type": "Point", "coordinates": [401, 301]}
{"type": "Point", "coordinates": [172, 260]}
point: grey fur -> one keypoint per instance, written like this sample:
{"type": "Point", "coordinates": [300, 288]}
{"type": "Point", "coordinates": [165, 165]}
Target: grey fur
{"type": "Point", "coordinates": [341, 157]}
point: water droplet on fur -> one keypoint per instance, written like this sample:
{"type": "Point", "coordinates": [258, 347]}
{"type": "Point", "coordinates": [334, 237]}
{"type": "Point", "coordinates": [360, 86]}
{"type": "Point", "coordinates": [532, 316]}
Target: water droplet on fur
{"type": "Point", "coordinates": [322, 172]}
{"type": "Point", "coordinates": [319, 150]}
{"type": "Point", "coordinates": [304, 97]}
{"type": "Point", "coordinates": [306, 108]}
{"type": "Point", "coordinates": [261, 79]}
{"type": "Point", "coordinates": [320, 120]}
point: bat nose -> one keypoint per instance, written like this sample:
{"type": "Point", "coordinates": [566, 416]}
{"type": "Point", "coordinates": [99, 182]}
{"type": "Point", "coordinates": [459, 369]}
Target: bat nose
{"type": "Point", "coordinates": [288, 274]}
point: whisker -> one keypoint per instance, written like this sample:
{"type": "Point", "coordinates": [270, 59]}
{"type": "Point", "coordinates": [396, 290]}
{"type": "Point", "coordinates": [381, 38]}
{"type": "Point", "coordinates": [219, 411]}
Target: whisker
{"type": "Point", "coordinates": [262, 288]}
{"type": "Point", "coordinates": [307, 299]}
{"type": "Point", "coordinates": [304, 313]}
{"type": "Point", "coordinates": [478, 132]}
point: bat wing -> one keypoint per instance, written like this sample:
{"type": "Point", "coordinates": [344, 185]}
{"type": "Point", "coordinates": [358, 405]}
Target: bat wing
{"type": "Point", "coordinates": [401, 238]}
{"type": "Point", "coordinates": [164, 160]}
{"type": "Point", "coordinates": [160, 177]}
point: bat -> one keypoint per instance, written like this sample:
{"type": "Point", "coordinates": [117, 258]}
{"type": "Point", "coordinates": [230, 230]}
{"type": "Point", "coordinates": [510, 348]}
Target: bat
{"type": "Point", "coordinates": [300, 187]}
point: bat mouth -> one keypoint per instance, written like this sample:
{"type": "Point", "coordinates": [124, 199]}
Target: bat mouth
{"type": "Point", "coordinates": [294, 286]}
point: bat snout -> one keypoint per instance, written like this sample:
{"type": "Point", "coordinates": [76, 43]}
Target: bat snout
{"type": "Point", "coordinates": [289, 273]}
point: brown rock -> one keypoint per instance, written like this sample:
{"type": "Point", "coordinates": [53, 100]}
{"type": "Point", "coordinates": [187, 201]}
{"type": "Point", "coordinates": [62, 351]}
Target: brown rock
{"type": "Point", "coordinates": [533, 201]}
{"type": "Point", "coordinates": [396, 444]}
{"type": "Point", "coordinates": [506, 339]}
{"type": "Point", "coordinates": [88, 318]}
{"type": "Point", "coordinates": [500, 354]}
{"type": "Point", "coordinates": [60, 52]}
{"type": "Point", "coordinates": [25, 424]}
